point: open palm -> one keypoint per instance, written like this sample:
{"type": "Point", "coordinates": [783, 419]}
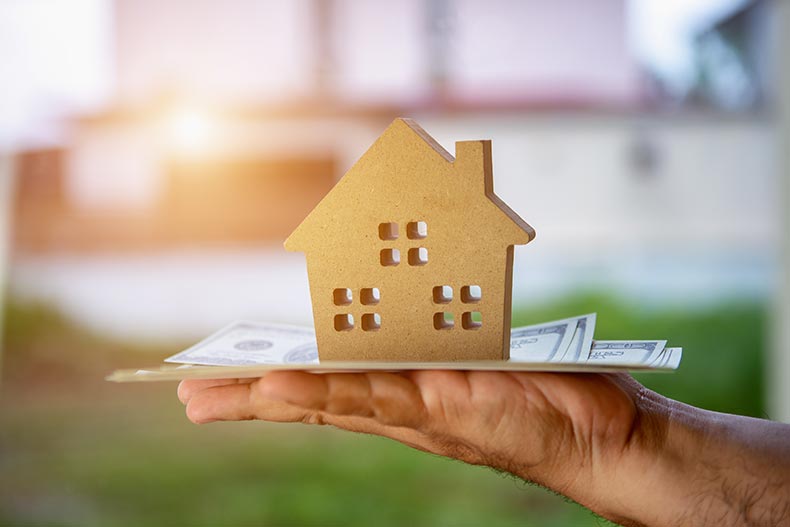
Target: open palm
{"type": "Point", "coordinates": [546, 427]}
{"type": "Point", "coordinates": [603, 440]}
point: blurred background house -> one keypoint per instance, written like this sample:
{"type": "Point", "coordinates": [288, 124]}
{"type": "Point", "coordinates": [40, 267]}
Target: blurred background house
{"type": "Point", "coordinates": [154, 155]}
{"type": "Point", "coordinates": [220, 129]}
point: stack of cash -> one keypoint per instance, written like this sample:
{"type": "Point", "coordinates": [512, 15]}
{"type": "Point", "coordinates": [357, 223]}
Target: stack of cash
{"type": "Point", "coordinates": [245, 349]}
{"type": "Point", "coordinates": [570, 341]}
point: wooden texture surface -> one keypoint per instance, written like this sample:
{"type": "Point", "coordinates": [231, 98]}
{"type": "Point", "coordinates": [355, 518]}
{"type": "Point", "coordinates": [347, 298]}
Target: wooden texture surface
{"type": "Point", "coordinates": [406, 222]}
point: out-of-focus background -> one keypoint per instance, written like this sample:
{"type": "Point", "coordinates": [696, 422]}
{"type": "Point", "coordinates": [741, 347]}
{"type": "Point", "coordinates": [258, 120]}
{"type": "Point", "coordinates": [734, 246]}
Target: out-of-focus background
{"type": "Point", "coordinates": [154, 155]}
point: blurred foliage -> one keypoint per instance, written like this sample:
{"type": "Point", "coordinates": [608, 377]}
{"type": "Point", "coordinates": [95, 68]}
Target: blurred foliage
{"type": "Point", "coordinates": [75, 450]}
{"type": "Point", "coordinates": [42, 344]}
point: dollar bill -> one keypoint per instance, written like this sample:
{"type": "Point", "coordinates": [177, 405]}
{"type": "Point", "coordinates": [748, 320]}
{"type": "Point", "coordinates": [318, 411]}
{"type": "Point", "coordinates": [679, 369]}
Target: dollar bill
{"type": "Point", "coordinates": [250, 343]}
{"type": "Point", "coordinates": [668, 360]}
{"type": "Point", "coordinates": [541, 342]}
{"type": "Point", "coordinates": [581, 343]}
{"type": "Point", "coordinates": [627, 352]}
{"type": "Point", "coordinates": [567, 341]}
{"type": "Point", "coordinates": [550, 341]}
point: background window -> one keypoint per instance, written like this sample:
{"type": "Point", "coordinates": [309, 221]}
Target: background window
{"type": "Point", "coordinates": [370, 296]}
{"type": "Point", "coordinates": [344, 322]}
{"type": "Point", "coordinates": [418, 256]}
{"type": "Point", "coordinates": [416, 230]}
{"type": "Point", "coordinates": [443, 320]}
{"type": "Point", "coordinates": [388, 231]}
{"type": "Point", "coordinates": [472, 320]}
{"type": "Point", "coordinates": [390, 257]}
{"type": "Point", "coordinates": [442, 294]}
{"type": "Point", "coordinates": [371, 322]}
{"type": "Point", "coordinates": [471, 294]}
{"type": "Point", "coordinates": [342, 296]}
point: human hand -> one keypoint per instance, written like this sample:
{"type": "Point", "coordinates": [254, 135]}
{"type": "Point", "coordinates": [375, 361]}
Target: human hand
{"type": "Point", "coordinates": [601, 439]}
{"type": "Point", "coordinates": [554, 429]}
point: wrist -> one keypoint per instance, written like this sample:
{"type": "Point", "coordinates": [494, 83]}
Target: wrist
{"type": "Point", "coordinates": [643, 480]}
{"type": "Point", "coordinates": [660, 479]}
{"type": "Point", "coordinates": [687, 466]}
{"type": "Point", "coordinates": [642, 472]}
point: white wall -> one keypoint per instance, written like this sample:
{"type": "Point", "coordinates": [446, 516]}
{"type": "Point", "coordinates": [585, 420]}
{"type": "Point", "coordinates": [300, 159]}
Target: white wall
{"type": "Point", "coordinates": [233, 51]}
{"type": "Point", "coordinates": [259, 50]}
{"type": "Point", "coordinates": [531, 49]}
{"type": "Point", "coordinates": [714, 184]}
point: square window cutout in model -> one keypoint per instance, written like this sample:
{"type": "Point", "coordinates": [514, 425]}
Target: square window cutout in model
{"type": "Point", "coordinates": [410, 255]}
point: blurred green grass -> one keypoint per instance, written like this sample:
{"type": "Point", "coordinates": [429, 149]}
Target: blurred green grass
{"type": "Point", "coordinates": [75, 450]}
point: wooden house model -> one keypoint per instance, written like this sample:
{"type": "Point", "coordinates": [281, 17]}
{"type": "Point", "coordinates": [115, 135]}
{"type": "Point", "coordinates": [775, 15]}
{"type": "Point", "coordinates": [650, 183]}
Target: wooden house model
{"type": "Point", "coordinates": [410, 255]}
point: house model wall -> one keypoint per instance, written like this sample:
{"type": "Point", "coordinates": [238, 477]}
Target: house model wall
{"type": "Point", "coordinates": [410, 255]}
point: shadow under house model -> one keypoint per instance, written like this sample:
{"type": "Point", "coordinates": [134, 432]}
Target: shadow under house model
{"type": "Point", "coordinates": [410, 255]}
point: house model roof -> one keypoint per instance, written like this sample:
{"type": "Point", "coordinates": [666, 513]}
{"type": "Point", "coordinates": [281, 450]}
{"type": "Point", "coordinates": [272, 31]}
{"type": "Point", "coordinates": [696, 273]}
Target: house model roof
{"type": "Point", "coordinates": [402, 161]}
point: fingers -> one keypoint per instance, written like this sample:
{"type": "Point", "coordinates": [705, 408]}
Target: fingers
{"type": "Point", "coordinates": [345, 394]}
{"type": "Point", "coordinates": [297, 388]}
{"type": "Point", "coordinates": [384, 404]}
{"type": "Point", "coordinates": [250, 400]}
{"type": "Point", "coordinates": [391, 399]}
{"type": "Point", "coordinates": [388, 398]}
{"type": "Point", "coordinates": [189, 387]}
{"type": "Point", "coordinates": [239, 402]}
